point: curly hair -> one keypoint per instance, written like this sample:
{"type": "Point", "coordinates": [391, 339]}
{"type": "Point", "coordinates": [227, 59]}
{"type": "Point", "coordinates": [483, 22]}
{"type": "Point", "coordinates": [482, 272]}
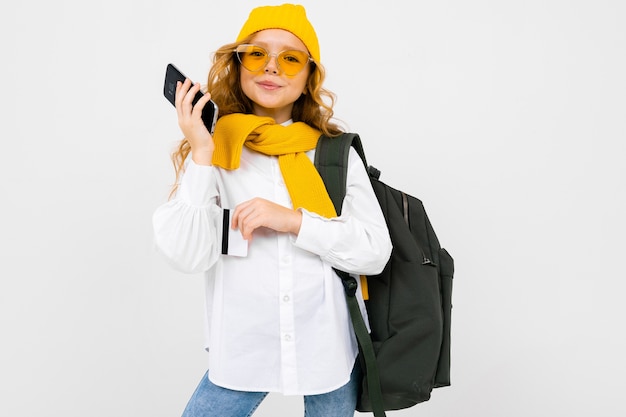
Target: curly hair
{"type": "Point", "coordinates": [314, 107]}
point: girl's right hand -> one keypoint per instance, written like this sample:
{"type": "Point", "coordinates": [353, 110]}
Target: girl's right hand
{"type": "Point", "coordinates": [191, 124]}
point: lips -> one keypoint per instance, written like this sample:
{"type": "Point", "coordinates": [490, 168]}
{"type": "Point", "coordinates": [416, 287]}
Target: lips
{"type": "Point", "coordinates": [268, 85]}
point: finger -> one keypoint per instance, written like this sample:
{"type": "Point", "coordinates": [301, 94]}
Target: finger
{"type": "Point", "coordinates": [241, 207]}
{"type": "Point", "coordinates": [181, 92]}
{"type": "Point", "coordinates": [249, 224]}
{"type": "Point", "coordinates": [234, 220]}
{"type": "Point", "coordinates": [246, 219]}
{"type": "Point", "coordinates": [201, 103]}
{"type": "Point", "coordinates": [198, 108]}
{"type": "Point", "coordinates": [238, 215]}
{"type": "Point", "coordinates": [178, 97]}
{"type": "Point", "coordinates": [191, 94]}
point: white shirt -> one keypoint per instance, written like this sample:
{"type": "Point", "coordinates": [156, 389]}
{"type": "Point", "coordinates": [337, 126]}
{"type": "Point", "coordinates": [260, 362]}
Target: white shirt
{"type": "Point", "coordinates": [276, 319]}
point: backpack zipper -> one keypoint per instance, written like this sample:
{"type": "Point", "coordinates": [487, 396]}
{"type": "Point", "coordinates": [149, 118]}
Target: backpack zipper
{"type": "Point", "coordinates": [405, 209]}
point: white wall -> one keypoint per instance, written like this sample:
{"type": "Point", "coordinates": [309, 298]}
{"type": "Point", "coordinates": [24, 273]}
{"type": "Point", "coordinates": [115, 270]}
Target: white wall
{"type": "Point", "coordinates": [506, 118]}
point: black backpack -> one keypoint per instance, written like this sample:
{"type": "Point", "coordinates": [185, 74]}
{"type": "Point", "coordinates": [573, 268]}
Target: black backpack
{"type": "Point", "coordinates": [407, 353]}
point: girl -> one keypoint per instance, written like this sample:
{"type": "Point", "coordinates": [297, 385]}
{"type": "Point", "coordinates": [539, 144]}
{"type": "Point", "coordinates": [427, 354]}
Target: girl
{"type": "Point", "coordinates": [276, 318]}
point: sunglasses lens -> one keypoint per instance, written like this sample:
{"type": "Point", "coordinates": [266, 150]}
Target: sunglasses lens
{"type": "Point", "coordinates": [253, 58]}
{"type": "Point", "coordinates": [292, 62]}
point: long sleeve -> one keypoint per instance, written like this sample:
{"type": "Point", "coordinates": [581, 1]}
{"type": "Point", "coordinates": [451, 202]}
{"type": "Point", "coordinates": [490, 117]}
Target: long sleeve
{"type": "Point", "coordinates": [185, 229]}
{"type": "Point", "coordinates": [357, 241]}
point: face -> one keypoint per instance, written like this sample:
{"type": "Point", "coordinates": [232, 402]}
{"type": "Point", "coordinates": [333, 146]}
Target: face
{"type": "Point", "coordinates": [271, 91]}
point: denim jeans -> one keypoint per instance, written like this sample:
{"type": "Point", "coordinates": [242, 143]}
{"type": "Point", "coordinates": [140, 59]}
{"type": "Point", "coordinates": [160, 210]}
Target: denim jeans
{"type": "Point", "coordinates": [209, 400]}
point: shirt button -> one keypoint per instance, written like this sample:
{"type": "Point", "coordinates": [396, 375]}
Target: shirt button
{"type": "Point", "coordinates": [286, 298]}
{"type": "Point", "coordinates": [287, 337]}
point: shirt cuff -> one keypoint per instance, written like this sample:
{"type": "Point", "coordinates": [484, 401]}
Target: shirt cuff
{"type": "Point", "coordinates": [198, 185]}
{"type": "Point", "coordinates": [311, 236]}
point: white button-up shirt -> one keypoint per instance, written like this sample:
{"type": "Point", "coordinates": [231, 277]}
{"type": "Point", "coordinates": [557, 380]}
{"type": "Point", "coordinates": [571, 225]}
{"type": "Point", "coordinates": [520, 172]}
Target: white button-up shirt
{"type": "Point", "coordinates": [277, 318]}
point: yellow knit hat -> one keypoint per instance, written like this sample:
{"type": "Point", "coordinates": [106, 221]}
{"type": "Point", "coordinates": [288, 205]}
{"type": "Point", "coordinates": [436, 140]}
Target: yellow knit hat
{"type": "Point", "coordinates": [290, 17]}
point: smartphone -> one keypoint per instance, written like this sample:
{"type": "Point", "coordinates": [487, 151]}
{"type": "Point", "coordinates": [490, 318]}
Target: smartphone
{"type": "Point", "coordinates": [172, 76]}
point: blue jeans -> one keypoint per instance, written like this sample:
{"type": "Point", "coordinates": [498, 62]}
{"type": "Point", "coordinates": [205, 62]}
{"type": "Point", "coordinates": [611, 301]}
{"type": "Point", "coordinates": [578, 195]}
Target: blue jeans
{"type": "Point", "coordinates": [209, 400]}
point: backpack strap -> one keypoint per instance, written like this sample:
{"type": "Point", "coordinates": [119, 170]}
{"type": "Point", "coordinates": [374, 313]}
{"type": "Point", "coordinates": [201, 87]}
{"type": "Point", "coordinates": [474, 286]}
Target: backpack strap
{"type": "Point", "coordinates": [331, 160]}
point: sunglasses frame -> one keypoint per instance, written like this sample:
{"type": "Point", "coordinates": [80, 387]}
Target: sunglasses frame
{"type": "Point", "coordinates": [268, 56]}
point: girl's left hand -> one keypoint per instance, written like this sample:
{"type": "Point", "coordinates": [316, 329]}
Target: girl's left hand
{"type": "Point", "coordinates": [258, 212]}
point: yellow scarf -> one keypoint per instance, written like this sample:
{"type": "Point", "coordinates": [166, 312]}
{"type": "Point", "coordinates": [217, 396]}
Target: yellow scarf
{"type": "Point", "coordinates": [289, 143]}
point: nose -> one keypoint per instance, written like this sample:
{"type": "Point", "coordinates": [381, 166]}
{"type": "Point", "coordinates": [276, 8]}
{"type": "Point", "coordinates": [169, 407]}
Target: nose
{"type": "Point", "coordinates": [272, 64]}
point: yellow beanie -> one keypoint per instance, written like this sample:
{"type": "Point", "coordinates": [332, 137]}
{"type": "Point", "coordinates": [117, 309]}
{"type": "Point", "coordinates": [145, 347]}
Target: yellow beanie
{"type": "Point", "coordinates": [290, 17]}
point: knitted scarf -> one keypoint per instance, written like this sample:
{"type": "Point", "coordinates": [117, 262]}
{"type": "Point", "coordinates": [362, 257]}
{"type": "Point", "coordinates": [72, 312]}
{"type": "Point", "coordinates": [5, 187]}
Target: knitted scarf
{"type": "Point", "coordinates": [289, 143]}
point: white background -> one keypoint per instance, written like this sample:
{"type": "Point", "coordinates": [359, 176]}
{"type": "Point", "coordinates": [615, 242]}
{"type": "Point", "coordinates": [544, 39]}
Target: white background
{"type": "Point", "coordinates": [507, 118]}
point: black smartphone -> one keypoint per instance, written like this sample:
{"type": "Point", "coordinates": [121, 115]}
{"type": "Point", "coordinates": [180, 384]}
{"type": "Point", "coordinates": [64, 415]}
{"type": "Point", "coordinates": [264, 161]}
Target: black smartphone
{"type": "Point", "coordinates": [172, 76]}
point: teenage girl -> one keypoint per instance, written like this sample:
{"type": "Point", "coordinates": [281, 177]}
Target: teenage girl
{"type": "Point", "coordinates": [276, 317]}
